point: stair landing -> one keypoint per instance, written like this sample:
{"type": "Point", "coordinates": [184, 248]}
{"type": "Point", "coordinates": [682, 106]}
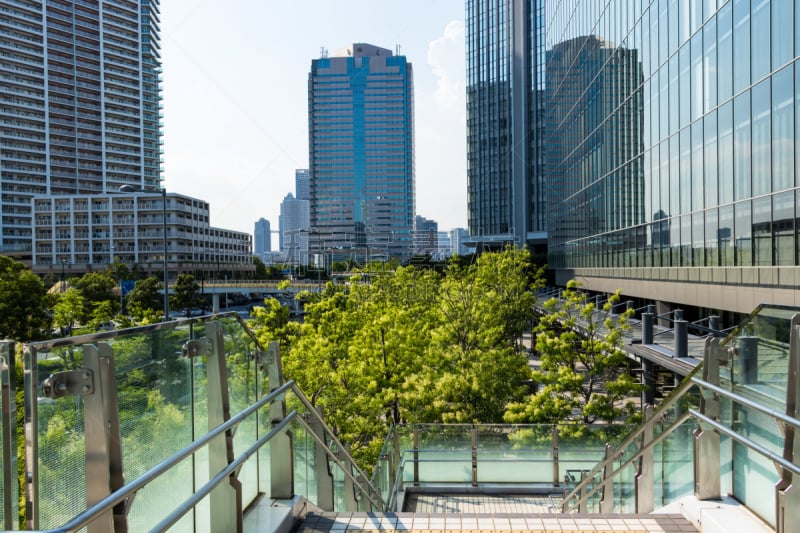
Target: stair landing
{"type": "Point", "coordinates": [487, 522]}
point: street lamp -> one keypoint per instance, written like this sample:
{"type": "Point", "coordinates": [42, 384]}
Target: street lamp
{"type": "Point", "coordinates": [130, 189]}
{"type": "Point", "coordinates": [63, 265]}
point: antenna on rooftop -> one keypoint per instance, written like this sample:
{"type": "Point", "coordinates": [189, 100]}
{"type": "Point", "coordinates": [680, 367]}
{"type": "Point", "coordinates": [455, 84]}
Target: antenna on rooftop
{"type": "Point", "coordinates": [323, 52]}
{"type": "Point", "coordinates": [397, 49]}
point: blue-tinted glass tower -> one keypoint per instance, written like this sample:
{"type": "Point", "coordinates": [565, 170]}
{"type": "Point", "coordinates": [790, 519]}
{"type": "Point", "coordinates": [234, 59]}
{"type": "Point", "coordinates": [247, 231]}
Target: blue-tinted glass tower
{"type": "Point", "coordinates": [505, 187]}
{"type": "Point", "coordinates": [361, 153]}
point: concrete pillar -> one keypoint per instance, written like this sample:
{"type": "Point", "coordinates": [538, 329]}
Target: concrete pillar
{"type": "Point", "coordinates": [649, 381]}
{"type": "Point", "coordinates": [215, 303]}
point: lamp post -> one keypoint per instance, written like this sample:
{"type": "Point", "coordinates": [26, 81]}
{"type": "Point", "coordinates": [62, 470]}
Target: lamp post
{"type": "Point", "coordinates": [63, 265]}
{"type": "Point", "coordinates": [131, 189]}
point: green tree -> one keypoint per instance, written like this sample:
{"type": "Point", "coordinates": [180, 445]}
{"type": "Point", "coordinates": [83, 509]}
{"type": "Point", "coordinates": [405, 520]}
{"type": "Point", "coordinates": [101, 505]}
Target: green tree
{"type": "Point", "coordinates": [475, 363]}
{"type": "Point", "coordinates": [584, 374]}
{"type": "Point", "coordinates": [96, 287]}
{"type": "Point", "coordinates": [23, 303]}
{"type": "Point", "coordinates": [101, 314]}
{"type": "Point", "coordinates": [145, 299]}
{"type": "Point", "coordinates": [186, 293]}
{"type": "Point", "coordinates": [69, 310]}
{"type": "Point", "coordinates": [261, 269]}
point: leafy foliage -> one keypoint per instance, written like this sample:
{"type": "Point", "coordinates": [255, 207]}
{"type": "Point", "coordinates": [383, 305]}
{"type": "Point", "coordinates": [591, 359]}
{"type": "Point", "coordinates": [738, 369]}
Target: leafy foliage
{"type": "Point", "coordinates": [69, 310]}
{"type": "Point", "coordinates": [584, 375]}
{"type": "Point", "coordinates": [22, 302]}
{"type": "Point", "coordinates": [95, 287]}
{"type": "Point", "coordinates": [187, 293]}
{"type": "Point", "coordinates": [145, 300]}
{"type": "Point", "coordinates": [410, 345]}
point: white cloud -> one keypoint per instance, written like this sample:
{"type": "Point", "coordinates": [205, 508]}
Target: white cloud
{"type": "Point", "coordinates": [446, 59]}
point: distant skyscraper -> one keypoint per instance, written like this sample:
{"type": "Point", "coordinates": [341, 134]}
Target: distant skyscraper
{"type": "Point", "coordinates": [361, 142]}
{"type": "Point", "coordinates": [262, 237]}
{"type": "Point", "coordinates": [426, 239]}
{"type": "Point", "coordinates": [504, 122]}
{"type": "Point", "coordinates": [458, 236]}
{"type": "Point", "coordinates": [80, 104]}
{"type": "Point", "coordinates": [301, 184]}
{"type": "Point", "coordinates": [294, 229]}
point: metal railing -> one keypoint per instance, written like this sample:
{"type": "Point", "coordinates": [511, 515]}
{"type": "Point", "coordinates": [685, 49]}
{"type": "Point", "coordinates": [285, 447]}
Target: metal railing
{"type": "Point", "coordinates": [121, 425]}
{"type": "Point", "coordinates": [724, 428]}
{"type": "Point", "coordinates": [524, 457]}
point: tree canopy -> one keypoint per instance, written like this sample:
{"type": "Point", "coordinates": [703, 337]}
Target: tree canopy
{"type": "Point", "coordinates": [186, 293]}
{"type": "Point", "coordinates": [23, 303]}
{"type": "Point", "coordinates": [411, 345]}
{"type": "Point", "coordinates": [584, 374]}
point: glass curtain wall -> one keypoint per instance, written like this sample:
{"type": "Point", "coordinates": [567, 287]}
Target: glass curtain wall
{"type": "Point", "coordinates": [671, 132]}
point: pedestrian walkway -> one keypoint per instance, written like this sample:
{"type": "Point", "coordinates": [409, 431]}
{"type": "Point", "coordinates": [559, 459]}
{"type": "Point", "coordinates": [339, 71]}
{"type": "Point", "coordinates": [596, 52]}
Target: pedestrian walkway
{"type": "Point", "coordinates": [483, 513]}
{"type": "Point", "coordinates": [486, 522]}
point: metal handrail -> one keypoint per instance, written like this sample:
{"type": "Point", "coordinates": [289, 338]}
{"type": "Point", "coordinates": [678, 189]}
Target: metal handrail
{"type": "Point", "coordinates": [795, 469]}
{"type": "Point", "coordinates": [368, 493]}
{"type": "Point", "coordinates": [738, 398]}
{"type": "Point", "coordinates": [674, 396]}
{"type": "Point", "coordinates": [597, 487]}
{"type": "Point", "coordinates": [311, 409]}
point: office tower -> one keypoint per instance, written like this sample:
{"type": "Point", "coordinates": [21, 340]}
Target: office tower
{"type": "Point", "coordinates": [458, 236]}
{"type": "Point", "coordinates": [262, 238]}
{"type": "Point", "coordinates": [294, 228]}
{"type": "Point", "coordinates": [301, 184]}
{"type": "Point", "coordinates": [361, 153]}
{"type": "Point", "coordinates": [717, 146]}
{"type": "Point", "coordinates": [426, 240]}
{"type": "Point", "coordinates": [80, 103]}
{"type": "Point", "coordinates": [504, 123]}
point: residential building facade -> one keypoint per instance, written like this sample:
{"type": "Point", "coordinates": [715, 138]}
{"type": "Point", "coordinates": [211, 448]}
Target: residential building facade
{"type": "Point", "coordinates": [80, 111]}
{"type": "Point", "coordinates": [675, 131]}
{"type": "Point", "coordinates": [505, 188]}
{"type": "Point", "coordinates": [361, 153]}
{"type": "Point", "coordinates": [80, 233]}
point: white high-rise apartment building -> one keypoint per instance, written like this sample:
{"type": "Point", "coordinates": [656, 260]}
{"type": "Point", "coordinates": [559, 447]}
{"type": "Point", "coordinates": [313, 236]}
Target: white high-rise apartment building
{"type": "Point", "coordinates": [80, 116]}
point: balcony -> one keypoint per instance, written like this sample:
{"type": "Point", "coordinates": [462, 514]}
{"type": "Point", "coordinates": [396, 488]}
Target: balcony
{"type": "Point", "coordinates": [180, 413]}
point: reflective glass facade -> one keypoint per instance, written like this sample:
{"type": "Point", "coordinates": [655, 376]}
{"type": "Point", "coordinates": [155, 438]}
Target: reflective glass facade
{"type": "Point", "coordinates": [672, 134]}
{"type": "Point", "coordinates": [361, 156]}
{"type": "Point", "coordinates": [504, 121]}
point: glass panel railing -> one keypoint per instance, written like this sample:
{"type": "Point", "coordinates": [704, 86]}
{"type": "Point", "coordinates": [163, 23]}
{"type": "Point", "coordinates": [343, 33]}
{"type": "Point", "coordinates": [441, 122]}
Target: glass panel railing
{"type": "Point", "coordinates": [163, 401]}
{"type": "Point", "coordinates": [515, 454]}
{"type": "Point", "coordinates": [758, 372]}
{"type": "Point", "coordinates": [8, 443]}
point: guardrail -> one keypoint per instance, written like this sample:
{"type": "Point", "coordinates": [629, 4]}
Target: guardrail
{"type": "Point", "coordinates": [724, 431]}
{"type": "Point", "coordinates": [164, 425]}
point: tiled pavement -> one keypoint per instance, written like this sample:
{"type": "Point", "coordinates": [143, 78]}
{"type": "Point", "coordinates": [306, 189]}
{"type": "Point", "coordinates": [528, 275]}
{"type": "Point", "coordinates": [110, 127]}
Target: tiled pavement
{"type": "Point", "coordinates": [536, 523]}
{"type": "Point", "coordinates": [482, 513]}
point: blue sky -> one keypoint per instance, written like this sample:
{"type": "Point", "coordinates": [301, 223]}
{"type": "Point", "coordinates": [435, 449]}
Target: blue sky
{"type": "Point", "coordinates": [235, 97]}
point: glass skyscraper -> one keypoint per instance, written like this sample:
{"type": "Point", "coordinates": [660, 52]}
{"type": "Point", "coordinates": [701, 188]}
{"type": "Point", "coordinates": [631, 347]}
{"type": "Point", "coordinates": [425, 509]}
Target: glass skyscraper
{"type": "Point", "coordinates": [671, 149]}
{"type": "Point", "coordinates": [361, 153]}
{"type": "Point", "coordinates": [81, 102]}
{"type": "Point", "coordinates": [505, 189]}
